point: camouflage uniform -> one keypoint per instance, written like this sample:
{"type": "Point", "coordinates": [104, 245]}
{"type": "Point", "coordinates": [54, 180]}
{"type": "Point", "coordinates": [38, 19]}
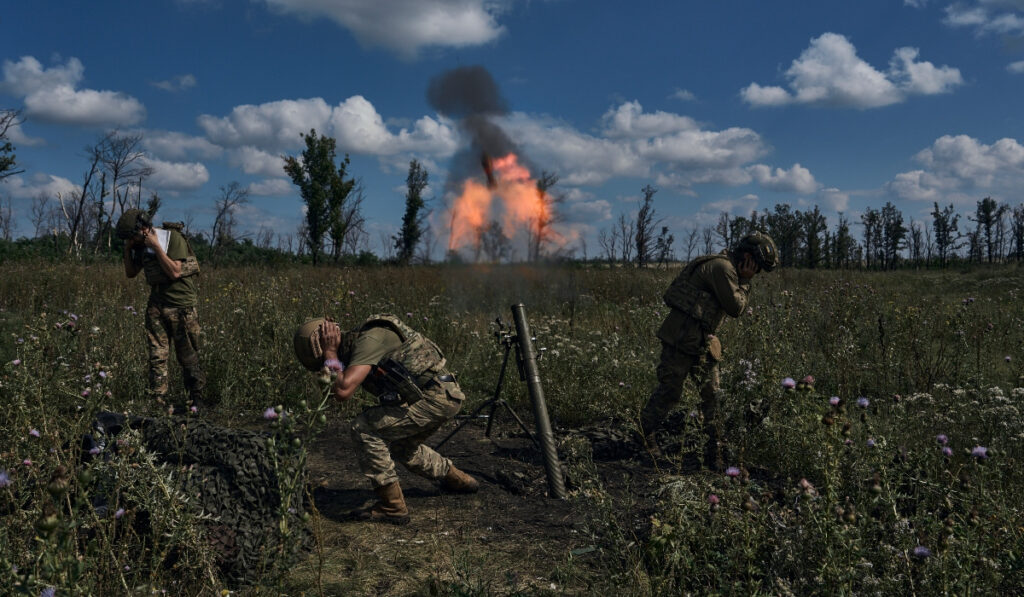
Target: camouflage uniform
{"type": "Point", "coordinates": [171, 316]}
{"type": "Point", "coordinates": [409, 412]}
{"type": "Point", "coordinates": [700, 297]}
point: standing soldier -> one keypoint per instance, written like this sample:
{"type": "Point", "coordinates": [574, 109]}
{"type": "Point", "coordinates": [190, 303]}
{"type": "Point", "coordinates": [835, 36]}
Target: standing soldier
{"type": "Point", "coordinates": [708, 289]}
{"type": "Point", "coordinates": [416, 394]}
{"type": "Point", "coordinates": [166, 257]}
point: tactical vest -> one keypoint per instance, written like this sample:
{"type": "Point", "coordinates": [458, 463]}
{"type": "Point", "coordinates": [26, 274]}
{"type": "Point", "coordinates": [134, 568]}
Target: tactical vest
{"type": "Point", "coordinates": [408, 368]}
{"type": "Point", "coordinates": [155, 275]}
{"type": "Point", "coordinates": [688, 296]}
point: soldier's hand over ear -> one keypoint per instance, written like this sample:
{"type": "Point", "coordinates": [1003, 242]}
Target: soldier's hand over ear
{"type": "Point", "coordinates": [748, 267]}
{"type": "Point", "coordinates": [331, 335]}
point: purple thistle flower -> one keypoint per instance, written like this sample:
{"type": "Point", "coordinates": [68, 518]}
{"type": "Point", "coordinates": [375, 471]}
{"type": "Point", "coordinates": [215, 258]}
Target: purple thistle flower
{"type": "Point", "coordinates": [1007, 358]}
{"type": "Point", "coordinates": [270, 413]}
{"type": "Point", "coordinates": [863, 402]}
{"type": "Point", "coordinates": [16, 362]}
{"type": "Point", "coordinates": [194, 409]}
{"type": "Point", "coordinates": [980, 452]}
{"type": "Point", "coordinates": [947, 451]}
{"type": "Point", "coordinates": [732, 471]}
{"type": "Point", "coordinates": [33, 432]}
{"type": "Point", "coordinates": [119, 513]}
{"type": "Point", "coordinates": [848, 442]}
{"type": "Point", "coordinates": [834, 401]}
{"type": "Point", "coordinates": [103, 374]}
{"type": "Point", "coordinates": [73, 316]}
{"type": "Point", "coordinates": [27, 462]}
{"type": "Point", "coordinates": [87, 378]}
{"type": "Point", "coordinates": [713, 499]}
{"type": "Point", "coordinates": [5, 479]}
{"type": "Point", "coordinates": [788, 383]}
{"type": "Point", "coordinates": [48, 592]}
{"type": "Point", "coordinates": [922, 552]}
{"type": "Point", "coordinates": [94, 450]}
{"type": "Point", "coordinates": [86, 392]}
{"type": "Point", "coordinates": [871, 442]}
{"type": "Point", "coordinates": [942, 439]}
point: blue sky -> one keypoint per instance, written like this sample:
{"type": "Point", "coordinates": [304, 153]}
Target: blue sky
{"type": "Point", "coordinates": [723, 106]}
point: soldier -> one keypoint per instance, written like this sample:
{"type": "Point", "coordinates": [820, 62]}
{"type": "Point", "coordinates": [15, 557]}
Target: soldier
{"type": "Point", "coordinates": [708, 289]}
{"type": "Point", "coordinates": [416, 394]}
{"type": "Point", "coordinates": [166, 257]}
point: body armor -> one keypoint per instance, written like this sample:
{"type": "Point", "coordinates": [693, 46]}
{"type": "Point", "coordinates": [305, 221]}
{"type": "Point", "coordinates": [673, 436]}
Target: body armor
{"type": "Point", "coordinates": [401, 374]}
{"type": "Point", "coordinates": [687, 296]}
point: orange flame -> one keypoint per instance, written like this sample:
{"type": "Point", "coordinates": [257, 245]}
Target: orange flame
{"type": "Point", "coordinates": [521, 204]}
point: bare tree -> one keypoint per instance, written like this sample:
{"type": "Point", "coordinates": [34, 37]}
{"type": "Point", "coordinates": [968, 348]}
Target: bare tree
{"type": "Point", "coordinates": [40, 215]}
{"type": "Point", "coordinates": [427, 246]}
{"type": "Point", "coordinates": [626, 234]}
{"type": "Point", "coordinates": [692, 239]}
{"type": "Point", "coordinates": [264, 237]}
{"type": "Point", "coordinates": [388, 245]}
{"type": "Point", "coordinates": [494, 243]}
{"type": "Point", "coordinates": [708, 235]}
{"type": "Point", "coordinates": [231, 197]}
{"type": "Point", "coordinates": [74, 210]}
{"type": "Point", "coordinates": [123, 159]}
{"type": "Point", "coordinates": [608, 239]}
{"type": "Point", "coordinates": [6, 219]}
{"type": "Point", "coordinates": [540, 231]}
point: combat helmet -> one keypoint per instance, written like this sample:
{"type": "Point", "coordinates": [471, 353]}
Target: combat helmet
{"type": "Point", "coordinates": [761, 247]}
{"type": "Point", "coordinates": [308, 347]}
{"type": "Point", "coordinates": [131, 221]}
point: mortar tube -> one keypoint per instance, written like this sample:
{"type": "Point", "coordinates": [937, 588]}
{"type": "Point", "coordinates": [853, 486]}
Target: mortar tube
{"type": "Point", "coordinates": [552, 465]}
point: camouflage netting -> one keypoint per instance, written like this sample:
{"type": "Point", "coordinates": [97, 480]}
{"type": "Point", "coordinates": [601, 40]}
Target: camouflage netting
{"type": "Point", "coordinates": [232, 477]}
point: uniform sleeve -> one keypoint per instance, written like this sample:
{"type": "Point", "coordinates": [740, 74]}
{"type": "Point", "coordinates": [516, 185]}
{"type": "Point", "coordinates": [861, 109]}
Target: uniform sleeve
{"type": "Point", "coordinates": [371, 345]}
{"type": "Point", "coordinates": [731, 293]}
{"type": "Point", "coordinates": [176, 247]}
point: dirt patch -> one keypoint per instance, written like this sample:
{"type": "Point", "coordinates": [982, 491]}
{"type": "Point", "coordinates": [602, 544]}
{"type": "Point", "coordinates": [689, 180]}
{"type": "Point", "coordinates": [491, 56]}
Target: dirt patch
{"type": "Point", "coordinates": [509, 537]}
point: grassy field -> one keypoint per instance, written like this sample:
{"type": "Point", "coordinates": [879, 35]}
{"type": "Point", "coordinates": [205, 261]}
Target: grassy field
{"type": "Point", "coordinates": [896, 471]}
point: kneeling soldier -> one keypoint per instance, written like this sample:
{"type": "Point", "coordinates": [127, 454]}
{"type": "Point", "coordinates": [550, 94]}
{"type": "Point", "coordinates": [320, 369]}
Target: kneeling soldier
{"type": "Point", "coordinates": [406, 372]}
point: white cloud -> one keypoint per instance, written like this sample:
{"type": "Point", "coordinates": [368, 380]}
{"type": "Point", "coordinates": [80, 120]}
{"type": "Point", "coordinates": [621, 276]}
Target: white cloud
{"type": "Point", "coordinates": [169, 145]}
{"type": "Point", "coordinates": [629, 121]}
{"type": "Point", "coordinates": [1016, 67]}
{"type": "Point", "coordinates": [740, 206]}
{"type": "Point", "coordinates": [50, 95]}
{"type": "Point", "coordinates": [255, 161]}
{"type": "Point", "coordinates": [406, 26]}
{"type": "Point", "coordinates": [176, 176]}
{"type": "Point", "coordinates": [684, 94]}
{"type": "Point", "coordinates": [272, 187]}
{"type": "Point", "coordinates": [795, 180]}
{"type": "Point", "coordinates": [957, 168]}
{"type": "Point", "coordinates": [829, 73]}
{"type": "Point", "coordinates": [18, 137]}
{"type": "Point", "coordinates": [39, 184]}
{"type": "Point", "coordinates": [997, 17]}
{"type": "Point", "coordinates": [355, 124]}
{"type": "Point", "coordinates": [175, 84]}
{"type": "Point", "coordinates": [834, 199]}
{"type": "Point", "coordinates": [915, 3]}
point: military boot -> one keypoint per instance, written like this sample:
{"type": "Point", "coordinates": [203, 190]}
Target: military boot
{"type": "Point", "coordinates": [390, 506]}
{"type": "Point", "coordinates": [456, 481]}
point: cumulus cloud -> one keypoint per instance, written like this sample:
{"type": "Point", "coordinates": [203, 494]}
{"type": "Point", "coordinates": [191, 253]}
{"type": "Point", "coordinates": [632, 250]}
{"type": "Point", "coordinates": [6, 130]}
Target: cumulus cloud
{"type": "Point", "coordinates": [829, 73]}
{"type": "Point", "coordinates": [834, 199]}
{"type": "Point", "coordinates": [795, 180]}
{"type": "Point", "coordinates": [39, 184]}
{"type": "Point", "coordinates": [18, 137]}
{"type": "Point", "coordinates": [405, 26]}
{"type": "Point", "coordinates": [684, 94]}
{"type": "Point", "coordinates": [174, 146]}
{"type": "Point", "coordinates": [988, 17]}
{"type": "Point", "coordinates": [272, 187]}
{"type": "Point", "coordinates": [52, 95]}
{"type": "Point", "coordinates": [176, 176]}
{"type": "Point", "coordinates": [958, 168]}
{"type": "Point", "coordinates": [278, 126]}
{"type": "Point", "coordinates": [175, 84]}
{"type": "Point", "coordinates": [255, 161]}
{"type": "Point", "coordinates": [1016, 67]}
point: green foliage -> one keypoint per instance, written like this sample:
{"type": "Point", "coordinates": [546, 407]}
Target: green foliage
{"type": "Point", "coordinates": [412, 221]}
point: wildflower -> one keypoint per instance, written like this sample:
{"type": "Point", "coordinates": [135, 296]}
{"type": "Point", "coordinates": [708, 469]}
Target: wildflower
{"type": "Point", "coordinates": [351, 292]}
{"type": "Point", "coordinates": [270, 413]}
{"type": "Point", "coordinates": [942, 439]}
{"type": "Point", "coordinates": [48, 592]}
{"type": "Point", "coordinates": [922, 552]}
{"type": "Point", "coordinates": [194, 409]}
{"type": "Point", "coordinates": [713, 499]}
{"type": "Point", "coordinates": [87, 378]}
{"type": "Point", "coordinates": [119, 513]}
{"type": "Point", "coordinates": [86, 392]}
{"type": "Point", "coordinates": [27, 462]}
{"type": "Point", "coordinates": [103, 374]}
{"type": "Point", "coordinates": [1007, 358]}
{"type": "Point", "coordinates": [732, 471]}
{"type": "Point", "coordinates": [33, 432]}
{"type": "Point", "coordinates": [809, 380]}
{"type": "Point", "coordinates": [94, 450]}
{"type": "Point", "coordinates": [848, 442]}
{"type": "Point", "coordinates": [980, 452]}
{"type": "Point", "coordinates": [5, 479]}
{"type": "Point", "coordinates": [788, 383]}
{"type": "Point", "coordinates": [16, 362]}
{"type": "Point", "coordinates": [947, 451]}
{"type": "Point", "coordinates": [834, 401]}
{"type": "Point", "coordinates": [408, 313]}
{"type": "Point", "coordinates": [622, 383]}
{"type": "Point", "coordinates": [863, 402]}
{"type": "Point", "coordinates": [871, 442]}
{"type": "Point", "coordinates": [21, 340]}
